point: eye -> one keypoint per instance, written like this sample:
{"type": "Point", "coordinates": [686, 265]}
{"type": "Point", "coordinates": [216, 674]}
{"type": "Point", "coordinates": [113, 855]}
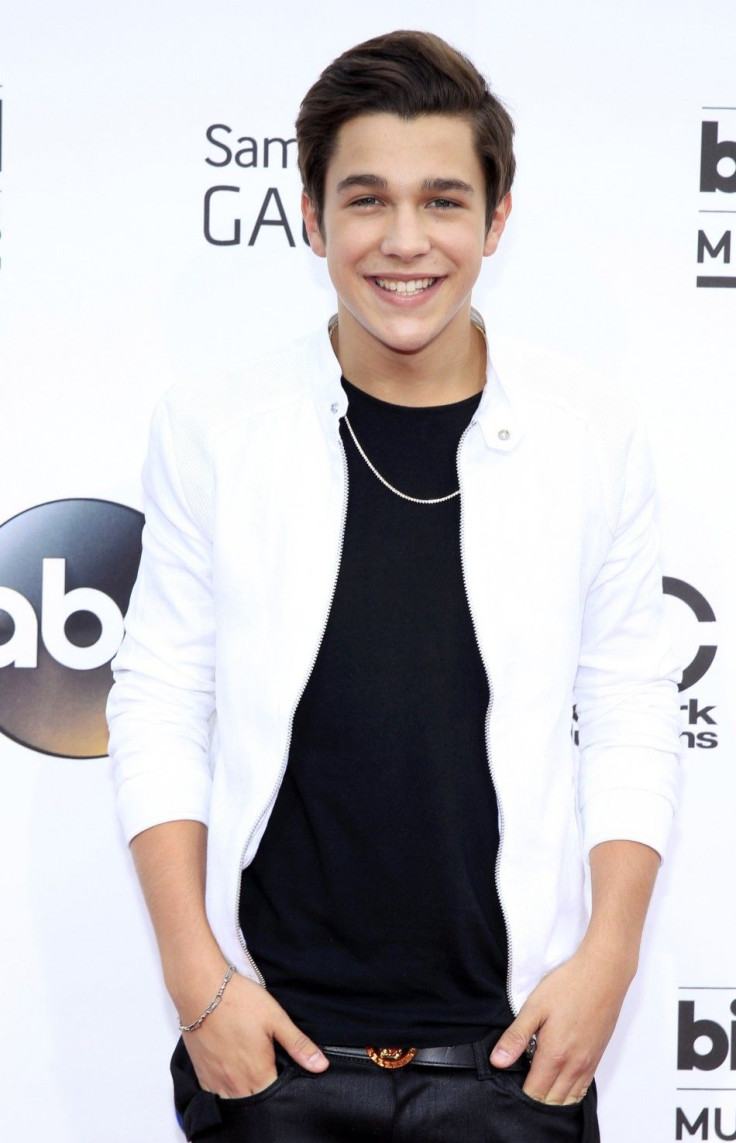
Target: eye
{"type": "Point", "coordinates": [444, 204]}
{"type": "Point", "coordinates": [366, 201]}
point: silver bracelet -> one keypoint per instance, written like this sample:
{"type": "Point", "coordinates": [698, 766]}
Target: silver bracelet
{"type": "Point", "coordinates": [197, 1024]}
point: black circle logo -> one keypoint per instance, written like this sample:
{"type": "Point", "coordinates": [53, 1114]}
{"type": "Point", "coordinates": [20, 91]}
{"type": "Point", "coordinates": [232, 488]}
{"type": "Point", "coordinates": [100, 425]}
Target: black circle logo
{"type": "Point", "coordinates": [704, 613]}
{"type": "Point", "coordinates": [67, 569]}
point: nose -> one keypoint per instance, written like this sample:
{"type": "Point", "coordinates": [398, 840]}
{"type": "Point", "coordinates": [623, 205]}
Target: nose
{"type": "Point", "coordinates": [406, 235]}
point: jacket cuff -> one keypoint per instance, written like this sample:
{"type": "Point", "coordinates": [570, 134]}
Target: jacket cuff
{"type": "Point", "coordinates": [152, 799]}
{"type": "Point", "coordinates": [628, 815]}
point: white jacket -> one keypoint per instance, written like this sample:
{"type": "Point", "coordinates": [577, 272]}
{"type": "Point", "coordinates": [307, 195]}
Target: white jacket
{"type": "Point", "coordinates": [246, 494]}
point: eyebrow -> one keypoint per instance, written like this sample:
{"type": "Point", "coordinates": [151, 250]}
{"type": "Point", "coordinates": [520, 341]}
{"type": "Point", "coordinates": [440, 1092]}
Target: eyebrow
{"type": "Point", "coordinates": [374, 181]}
{"type": "Point", "coordinates": [440, 185]}
{"type": "Point", "coordinates": [431, 186]}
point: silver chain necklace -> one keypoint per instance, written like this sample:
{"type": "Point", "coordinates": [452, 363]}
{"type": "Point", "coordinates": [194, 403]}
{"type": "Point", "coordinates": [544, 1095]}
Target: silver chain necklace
{"type": "Point", "coordinates": [396, 492]}
{"type": "Point", "coordinates": [331, 328]}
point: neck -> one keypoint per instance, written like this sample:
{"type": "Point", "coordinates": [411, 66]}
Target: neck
{"type": "Point", "coordinates": [448, 369]}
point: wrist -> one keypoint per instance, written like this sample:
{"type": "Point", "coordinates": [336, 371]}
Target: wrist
{"type": "Point", "coordinates": [192, 981]}
{"type": "Point", "coordinates": [617, 953]}
{"type": "Point", "coordinates": [195, 1024]}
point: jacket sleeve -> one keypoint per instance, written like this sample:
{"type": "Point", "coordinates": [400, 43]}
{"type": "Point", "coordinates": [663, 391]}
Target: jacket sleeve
{"type": "Point", "coordinates": [626, 686]}
{"type": "Point", "coordinates": [160, 706]}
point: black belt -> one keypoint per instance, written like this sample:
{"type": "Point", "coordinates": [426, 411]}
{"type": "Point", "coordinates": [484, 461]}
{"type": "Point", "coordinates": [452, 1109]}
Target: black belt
{"type": "Point", "coordinates": [457, 1056]}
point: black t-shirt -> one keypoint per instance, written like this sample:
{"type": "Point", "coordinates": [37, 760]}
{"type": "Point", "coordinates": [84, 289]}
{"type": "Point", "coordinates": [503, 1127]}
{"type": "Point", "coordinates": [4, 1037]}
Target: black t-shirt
{"type": "Point", "coordinates": [371, 905]}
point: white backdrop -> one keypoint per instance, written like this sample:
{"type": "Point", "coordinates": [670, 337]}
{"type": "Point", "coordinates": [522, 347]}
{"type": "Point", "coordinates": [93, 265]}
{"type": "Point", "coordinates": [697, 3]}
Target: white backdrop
{"type": "Point", "coordinates": [111, 292]}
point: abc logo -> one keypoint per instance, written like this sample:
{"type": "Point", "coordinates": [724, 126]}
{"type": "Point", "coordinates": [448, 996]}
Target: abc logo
{"type": "Point", "coordinates": [67, 569]}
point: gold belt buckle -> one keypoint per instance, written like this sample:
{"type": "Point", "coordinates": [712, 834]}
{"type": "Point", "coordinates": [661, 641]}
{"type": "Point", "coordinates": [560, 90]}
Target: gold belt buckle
{"type": "Point", "coordinates": [391, 1057]}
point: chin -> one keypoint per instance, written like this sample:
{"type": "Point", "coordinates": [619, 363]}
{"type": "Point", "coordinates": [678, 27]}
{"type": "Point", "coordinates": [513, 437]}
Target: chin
{"type": "Point", "coordinates": [404, 340]}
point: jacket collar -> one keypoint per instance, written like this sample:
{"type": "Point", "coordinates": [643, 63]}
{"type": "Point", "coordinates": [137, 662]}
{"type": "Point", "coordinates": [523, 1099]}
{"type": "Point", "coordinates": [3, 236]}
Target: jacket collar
{"type": "Point", "coordinates": [499, 419]}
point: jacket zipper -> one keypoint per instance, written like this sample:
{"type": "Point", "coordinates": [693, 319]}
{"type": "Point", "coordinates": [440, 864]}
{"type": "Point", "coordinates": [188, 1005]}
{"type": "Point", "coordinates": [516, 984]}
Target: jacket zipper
{"type": "Point", "coordinates": [489, 756]}
{"type": "Point", "coordinates": [285, 759]}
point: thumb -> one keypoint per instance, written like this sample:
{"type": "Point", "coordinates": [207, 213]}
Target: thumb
{"type": "Point", "coordinates": [515, 1040]}
{"type": "Point", "coordinates": [301, 1049]}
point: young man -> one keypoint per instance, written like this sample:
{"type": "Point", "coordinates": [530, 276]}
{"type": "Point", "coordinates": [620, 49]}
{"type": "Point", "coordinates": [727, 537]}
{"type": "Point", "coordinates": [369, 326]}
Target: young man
{"type": "Point", "coordinates": [389, 560]}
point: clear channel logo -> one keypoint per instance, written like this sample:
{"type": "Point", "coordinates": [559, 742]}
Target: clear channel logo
{"type": "Point", "coordinates": [67, 569]}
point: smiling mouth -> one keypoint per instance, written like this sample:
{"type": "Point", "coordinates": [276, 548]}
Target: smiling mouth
{"type": "Point", "coordinates": [413, 286]}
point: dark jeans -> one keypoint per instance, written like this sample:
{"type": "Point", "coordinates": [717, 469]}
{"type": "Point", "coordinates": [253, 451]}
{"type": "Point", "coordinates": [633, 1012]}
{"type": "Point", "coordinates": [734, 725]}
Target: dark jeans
{"type": "Point", "coordinates": [356, 1101]}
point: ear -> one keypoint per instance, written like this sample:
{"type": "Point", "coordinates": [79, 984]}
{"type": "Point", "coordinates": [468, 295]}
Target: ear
{"type": "Point", "coordinates": [495, 230]}
{"type": "Point", "coordinates": [314, 234]}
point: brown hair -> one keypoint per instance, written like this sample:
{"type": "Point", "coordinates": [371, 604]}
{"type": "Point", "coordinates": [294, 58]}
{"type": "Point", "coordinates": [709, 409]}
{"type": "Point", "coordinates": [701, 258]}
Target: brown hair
{"type": "Point", "coordinates": [407, 74]}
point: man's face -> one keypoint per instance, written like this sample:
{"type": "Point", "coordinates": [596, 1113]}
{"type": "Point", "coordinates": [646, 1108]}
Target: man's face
{"type": "Point", "coordinates": [404, 228]}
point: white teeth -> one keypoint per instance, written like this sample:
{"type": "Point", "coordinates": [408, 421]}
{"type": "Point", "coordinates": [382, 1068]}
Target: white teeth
{"type": "Point", "coordinates": [412, 287]}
